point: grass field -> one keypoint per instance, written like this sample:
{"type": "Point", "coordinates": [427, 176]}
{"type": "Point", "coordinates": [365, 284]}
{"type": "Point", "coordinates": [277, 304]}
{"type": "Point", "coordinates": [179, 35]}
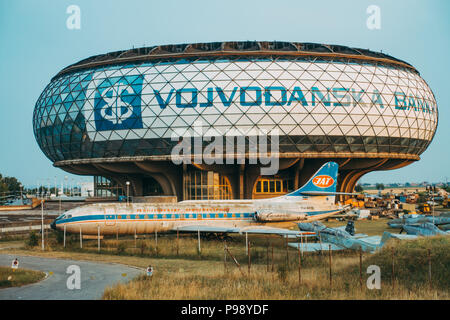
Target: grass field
{"type": "Point", "coordinates": [181, 272]}
{"type": "Point", "coordinates": [18, 277]}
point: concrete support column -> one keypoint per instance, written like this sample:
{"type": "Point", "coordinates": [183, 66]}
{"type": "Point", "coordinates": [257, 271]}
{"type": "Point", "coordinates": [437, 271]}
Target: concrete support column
{"type": "Point", "coordinates": [183, 183]}
{"type": "Point", "coordinates": [297, 171]}
{"type": "Point", "coordinates": [241, 181]}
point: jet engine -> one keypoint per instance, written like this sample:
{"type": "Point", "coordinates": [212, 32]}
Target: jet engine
{"type": "Point", "coordinates": [278, 216]}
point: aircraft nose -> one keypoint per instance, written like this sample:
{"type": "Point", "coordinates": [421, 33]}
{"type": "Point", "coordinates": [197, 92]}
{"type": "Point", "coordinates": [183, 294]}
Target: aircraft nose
{"type": "Point", "coordinates": [53, 225]}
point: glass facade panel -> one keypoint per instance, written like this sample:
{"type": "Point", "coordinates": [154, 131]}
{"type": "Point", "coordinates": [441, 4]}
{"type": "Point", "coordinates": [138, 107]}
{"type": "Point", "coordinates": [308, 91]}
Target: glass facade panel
{"type": "Point", "coordinates": [131, 109]}
{"type": "Point", "coordinates": [105, 188]}
{"type": "Point", "coordinates": [273, 185]}
{"type": "Point", "coordinates": [206, 185]}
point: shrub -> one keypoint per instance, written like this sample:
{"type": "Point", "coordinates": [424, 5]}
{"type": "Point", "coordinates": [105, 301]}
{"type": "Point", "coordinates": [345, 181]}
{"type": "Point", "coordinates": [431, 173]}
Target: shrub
{"type": "Point", "coordinates": [121, 248]}
{"type": "Point", "coordinates": [32, 239]}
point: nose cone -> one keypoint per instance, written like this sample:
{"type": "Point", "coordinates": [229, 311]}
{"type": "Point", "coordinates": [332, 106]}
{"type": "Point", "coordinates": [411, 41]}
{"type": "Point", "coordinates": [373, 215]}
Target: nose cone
{"type": "Point", "coordinates": [53, 225]}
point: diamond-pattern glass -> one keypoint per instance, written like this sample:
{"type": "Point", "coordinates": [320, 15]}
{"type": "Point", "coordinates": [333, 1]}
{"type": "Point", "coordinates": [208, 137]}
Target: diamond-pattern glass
{"type": "Point", "coordinates": [317, 106]}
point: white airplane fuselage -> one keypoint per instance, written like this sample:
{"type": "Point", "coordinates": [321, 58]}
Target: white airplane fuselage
{"type": "Point", "coordinates": [142, 218]}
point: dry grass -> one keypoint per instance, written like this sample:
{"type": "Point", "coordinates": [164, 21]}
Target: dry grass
{"type": "Point", "coordinates": [282, 284]}
{"type": "Point", "coordinates": [187, 274]}
{"type": "Point", "coordinates": [18, 277]}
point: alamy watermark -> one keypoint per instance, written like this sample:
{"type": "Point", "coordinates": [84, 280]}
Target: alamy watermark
{"type": "Point", "coordinates": [212, 147]}
{"type": "Point", "coordinates": [374, 20]}
{"type": "Point", "coordinates": [73, 22]}
{"type": "Point", "coordinates": [374, 280]}
{"type": "Point", "coordinates": [74, 280]}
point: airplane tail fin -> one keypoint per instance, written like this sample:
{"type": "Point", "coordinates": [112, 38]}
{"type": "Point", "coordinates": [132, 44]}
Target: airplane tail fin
{"type": "Point", "coordinates": [384, 238]}
{"type": "Point", "coordinates": [323, 182]}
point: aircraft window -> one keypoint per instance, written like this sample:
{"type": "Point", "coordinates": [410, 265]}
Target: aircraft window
{"type": "Point", "coordinates": [69, 216]}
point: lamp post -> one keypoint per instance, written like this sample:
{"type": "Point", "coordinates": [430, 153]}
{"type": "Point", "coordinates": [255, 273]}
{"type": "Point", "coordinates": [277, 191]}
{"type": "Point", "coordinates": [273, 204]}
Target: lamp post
{"type": "Point", "coordinates": [42, 223]}
{"type": "Point", "coordinates": [56, 192]}
{"type": "Point", "coordinates": [128, 187]}
{"type": "Point", "coordinates": [21, 193]}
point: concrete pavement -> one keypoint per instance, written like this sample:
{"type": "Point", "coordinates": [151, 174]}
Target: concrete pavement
{"type": "Point", "coordinates": [94, 278]}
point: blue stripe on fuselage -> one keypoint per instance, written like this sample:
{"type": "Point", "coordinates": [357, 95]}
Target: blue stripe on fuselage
{"type": "Point", "coordinates": [172, 217]}
{"type": "Point", "coordinates": [156, 217]}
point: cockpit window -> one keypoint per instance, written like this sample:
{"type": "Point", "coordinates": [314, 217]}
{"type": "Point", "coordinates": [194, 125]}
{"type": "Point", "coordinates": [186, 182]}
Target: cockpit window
{"type": "Point", "coordinates": [61, 217]}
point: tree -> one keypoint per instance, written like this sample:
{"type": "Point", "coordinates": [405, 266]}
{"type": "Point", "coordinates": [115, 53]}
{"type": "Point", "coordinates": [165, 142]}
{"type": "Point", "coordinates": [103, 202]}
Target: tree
{"type": "Point", "coordinates": [32, 239]}
{"type": "Point", "coordinates": [12, 183]}
{"type": "Point", "coordinates": [9, 184]}
{"type": "Point", "coordinates": [3, 186]}
{"type": "Point", "coordinates": [379, 186]}
{"type": "Point", "coordinates": [359, 188]}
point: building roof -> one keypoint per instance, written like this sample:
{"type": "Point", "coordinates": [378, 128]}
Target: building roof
{"type": "Point", "coordinates": [235, 49]}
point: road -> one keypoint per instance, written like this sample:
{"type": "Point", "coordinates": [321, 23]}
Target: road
{"type": "Point", "coordinates": [95, 277]}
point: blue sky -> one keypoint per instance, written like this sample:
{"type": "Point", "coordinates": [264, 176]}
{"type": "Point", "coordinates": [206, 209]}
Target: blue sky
{"type": "Point", "coordinates": [36, 44]}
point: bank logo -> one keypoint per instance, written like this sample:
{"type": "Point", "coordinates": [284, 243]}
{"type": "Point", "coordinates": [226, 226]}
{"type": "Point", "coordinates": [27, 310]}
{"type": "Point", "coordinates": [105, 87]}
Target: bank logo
{"type": "Point", "coordinates": [323, 181]}
{"type": "Point", "coordinates": [117, 104]}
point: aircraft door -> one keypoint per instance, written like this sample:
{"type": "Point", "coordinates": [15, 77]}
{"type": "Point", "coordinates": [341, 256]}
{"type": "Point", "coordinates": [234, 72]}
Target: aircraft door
{"type": "Point", "coordinates": [110, 216]}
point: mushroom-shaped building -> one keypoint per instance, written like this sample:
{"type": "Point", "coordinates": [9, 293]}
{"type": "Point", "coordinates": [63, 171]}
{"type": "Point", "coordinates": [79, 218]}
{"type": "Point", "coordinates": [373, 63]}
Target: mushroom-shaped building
{"type": "Point", "coordinates": [118, 116]}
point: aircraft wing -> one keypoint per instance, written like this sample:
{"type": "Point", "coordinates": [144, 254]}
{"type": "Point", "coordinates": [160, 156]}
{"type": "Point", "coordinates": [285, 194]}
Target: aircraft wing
{"type": "Point", "coordinates": [252, 230]}
{"type": "Point", "coordinates": [403, 236]}
{"type": "Point", "coordinates": [203, 228]}
{"type": "Point", "coordinates": [279, 231]}
{"type": "Point", "coordinates": [313, 247]}
{"type": "Point", "coordinates": [375, 240]}
{"type": "Point", "coordinates": [360, 235]}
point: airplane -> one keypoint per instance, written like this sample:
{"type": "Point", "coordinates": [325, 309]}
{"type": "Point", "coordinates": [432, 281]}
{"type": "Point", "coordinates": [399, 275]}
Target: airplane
{"type": "Point", "coordinates": [424, 229]}
{"type": "Point", "coordinates": [313, 201]}
{"type": "Point", "coordinates": [342, 238]}
{"type": "Point", "coordinates": [415, 219]}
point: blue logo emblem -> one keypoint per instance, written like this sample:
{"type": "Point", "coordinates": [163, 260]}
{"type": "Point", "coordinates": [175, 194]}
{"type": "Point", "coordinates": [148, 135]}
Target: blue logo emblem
{"type": "Point", "coordinates": [117, 103]}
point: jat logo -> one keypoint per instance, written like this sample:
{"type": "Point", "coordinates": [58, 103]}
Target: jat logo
{"type": "Point", "coordinates": [118, 103]}
{"type": "Point", "coordinates": [323, 181]}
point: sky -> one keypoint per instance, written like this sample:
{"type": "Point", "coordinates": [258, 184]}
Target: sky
{"type": "Point", "coordinates": [36, 44]}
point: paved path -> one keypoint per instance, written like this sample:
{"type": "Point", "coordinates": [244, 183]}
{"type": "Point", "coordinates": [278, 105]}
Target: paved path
{"type": "Point", "coordinates": [95, 277]}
